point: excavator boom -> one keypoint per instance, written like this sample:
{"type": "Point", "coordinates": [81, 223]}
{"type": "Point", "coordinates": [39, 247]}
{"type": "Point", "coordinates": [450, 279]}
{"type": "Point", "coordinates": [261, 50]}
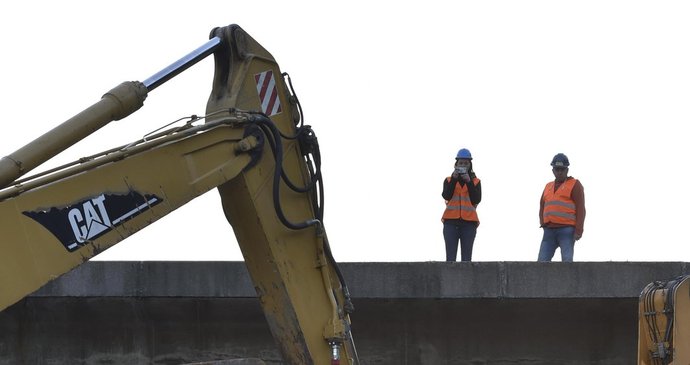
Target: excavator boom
{"type": "Point", "coordinates": [250, 144]}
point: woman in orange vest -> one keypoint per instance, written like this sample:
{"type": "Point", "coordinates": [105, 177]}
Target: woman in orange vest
{"type": "Point", "coordinates": [561, 212]}
{"type": "Point", "coordinates": [462, 192]}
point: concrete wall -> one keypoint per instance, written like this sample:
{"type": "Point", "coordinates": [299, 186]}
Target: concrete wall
{"type": "Point", "coordinates": [406, 313]}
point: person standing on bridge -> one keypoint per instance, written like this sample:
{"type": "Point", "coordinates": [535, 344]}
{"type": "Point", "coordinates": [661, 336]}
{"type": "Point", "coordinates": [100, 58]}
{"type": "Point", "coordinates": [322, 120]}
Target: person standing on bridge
{"type": "Point", "coordinates": [462, 192]}
{"type": "Point", "coordinates": [561, 212]}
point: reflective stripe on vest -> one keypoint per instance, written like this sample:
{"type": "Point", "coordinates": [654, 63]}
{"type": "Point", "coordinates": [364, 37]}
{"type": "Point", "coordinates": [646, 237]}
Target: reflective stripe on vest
{"type": "Point", "coordinates": [460, 206]}
{"type": "Point", "coordinates": [559, 207]}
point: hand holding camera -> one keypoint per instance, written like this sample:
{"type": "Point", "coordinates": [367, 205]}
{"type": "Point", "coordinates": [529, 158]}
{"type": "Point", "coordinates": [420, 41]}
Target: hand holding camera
{"type": "Point", "coordinates": [462, 173]}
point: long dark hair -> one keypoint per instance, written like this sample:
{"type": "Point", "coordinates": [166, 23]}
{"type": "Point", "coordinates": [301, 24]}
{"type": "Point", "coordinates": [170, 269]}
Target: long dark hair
{"type": "Point", "coordinates": [471, 171]}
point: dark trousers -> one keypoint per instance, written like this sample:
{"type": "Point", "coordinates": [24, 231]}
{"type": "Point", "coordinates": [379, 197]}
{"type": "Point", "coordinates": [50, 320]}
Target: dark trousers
{"type": "Point", "coordinates": [455, 230]}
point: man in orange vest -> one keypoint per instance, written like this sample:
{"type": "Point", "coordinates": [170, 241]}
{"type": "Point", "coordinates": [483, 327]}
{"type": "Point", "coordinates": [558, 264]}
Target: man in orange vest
{"type": "Point", "coordinates": [462, 192]}
{"type": "Point", "coordinates": [561, 212]}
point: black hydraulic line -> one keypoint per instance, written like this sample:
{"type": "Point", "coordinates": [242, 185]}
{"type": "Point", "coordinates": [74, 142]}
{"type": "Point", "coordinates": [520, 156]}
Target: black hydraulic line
{"type": "Point", "coordinates": [312, 154]}
{"type": "Point", "coordinates": [182, 64]}
{"type": "Point", "coordinates": [348, 306]}
{"type": "Point", "coordinates": [269, 128]}
{"type": "Point", "coordinates": [309, 145]}
{"type": "Point", "coordinates": [659, 338]}
{"type": "Point", "coordinates": [650, 316]}
{"type": "Point", "coordinates": [300, 130]}
{"type": "Point", "coordinates": [321, 199]}
{"type": "Point", "coordinates": [265, 122]}
{"type": "Point", "coordinates": [318, 196]}
{"type": "Point", "coordinates": [314, 176]}
{"type": "Point", "coordinates": [294, 94]}
{"type": "Point", "coordinates": [669, 311]}
{"type": "Point", "coordinates": [304, 141]}
{"type": "Point", "coordinates": [655, 327]}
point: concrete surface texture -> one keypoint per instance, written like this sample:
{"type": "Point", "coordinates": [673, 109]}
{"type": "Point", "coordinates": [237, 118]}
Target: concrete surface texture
{"type": "Point", "coordinates": [405, 313]}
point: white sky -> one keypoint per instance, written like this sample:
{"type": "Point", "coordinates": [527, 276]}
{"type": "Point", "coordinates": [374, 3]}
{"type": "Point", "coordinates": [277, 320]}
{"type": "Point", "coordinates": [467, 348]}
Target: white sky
{"type": "Point", "coordinates": [393, 90]}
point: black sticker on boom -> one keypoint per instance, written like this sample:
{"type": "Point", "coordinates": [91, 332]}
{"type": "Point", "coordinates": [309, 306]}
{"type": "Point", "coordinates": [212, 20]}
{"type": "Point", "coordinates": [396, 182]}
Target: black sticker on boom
{"type": "Point", "coordinates": [76, 224]}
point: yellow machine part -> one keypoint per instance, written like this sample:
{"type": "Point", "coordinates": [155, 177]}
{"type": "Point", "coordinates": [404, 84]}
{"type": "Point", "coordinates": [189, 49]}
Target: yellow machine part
{"type": "Point", "coordinates": [54, 222]}
{"type": "Point", "coordinates": [664, 323]}
{"type": "Point", "coordinates": [153, 181]}
{"type": "Point", "coordinates": [297, 286]}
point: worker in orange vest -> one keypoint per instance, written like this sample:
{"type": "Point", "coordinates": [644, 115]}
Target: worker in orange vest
{"type": "Point", "coordinates": [462, 192]}
{"type": "Point", "coordinates": [561, 212]}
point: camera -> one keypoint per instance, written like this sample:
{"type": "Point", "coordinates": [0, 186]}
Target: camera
{"type": "Point", "coordinates": [461, 170]}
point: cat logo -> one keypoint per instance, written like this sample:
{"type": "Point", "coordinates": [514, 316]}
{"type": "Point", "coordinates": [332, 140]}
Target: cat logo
{"type": "Point", "coordinates": [89, 220]}
{"type": "Point", "coordinates": [78, 223]}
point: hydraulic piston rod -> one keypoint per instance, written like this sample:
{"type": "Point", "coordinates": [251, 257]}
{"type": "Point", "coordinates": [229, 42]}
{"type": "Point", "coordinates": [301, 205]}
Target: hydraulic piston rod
{"type": "Point", "coordinates": [116, 104]}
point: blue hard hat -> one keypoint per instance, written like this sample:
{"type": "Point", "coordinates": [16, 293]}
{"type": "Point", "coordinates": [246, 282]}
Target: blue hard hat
{"type": "Point", "coordinates": [464, 153]}
{"type": "Point", "coordinates": [560, 160]}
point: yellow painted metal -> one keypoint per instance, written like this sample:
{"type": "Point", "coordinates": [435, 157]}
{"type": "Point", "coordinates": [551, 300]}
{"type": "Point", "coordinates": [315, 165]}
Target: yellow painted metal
{"type": "Point", "coordinates": [664, 323]}
{"type": "Point", "coordinates": [297, 286]}
{"type": "Point", "coordinates": [176, 170]}
{"type": "Point", "coordinates": [54, 222]}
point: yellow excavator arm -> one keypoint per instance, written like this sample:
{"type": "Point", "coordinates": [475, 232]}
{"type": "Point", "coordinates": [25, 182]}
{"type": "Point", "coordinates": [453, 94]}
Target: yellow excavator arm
{"type": "Point", "coordinates": [251, 145]}
{"type": "Point", "coordinates": [664, 315]}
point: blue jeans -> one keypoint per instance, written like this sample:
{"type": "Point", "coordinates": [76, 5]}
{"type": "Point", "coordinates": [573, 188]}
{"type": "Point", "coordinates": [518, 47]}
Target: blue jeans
{"type": "Point", "coordinates": [563, 237]}
{"type": "Point", "coordinates": [463, 231]}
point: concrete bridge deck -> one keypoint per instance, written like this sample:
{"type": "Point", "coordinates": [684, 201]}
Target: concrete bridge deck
{"type": "Point", "coordinates": [406, 313]}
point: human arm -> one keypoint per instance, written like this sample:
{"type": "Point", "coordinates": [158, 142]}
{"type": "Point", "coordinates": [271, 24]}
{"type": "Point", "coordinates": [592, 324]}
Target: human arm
{"type": "Point", "coordinates": [541, 211]}
{"type": "Point", "coordinates": [578, 196]}
{"type": "Point", "coordinates": [475, 192]}
{"type": "Point", "coordinates": [449, 187]}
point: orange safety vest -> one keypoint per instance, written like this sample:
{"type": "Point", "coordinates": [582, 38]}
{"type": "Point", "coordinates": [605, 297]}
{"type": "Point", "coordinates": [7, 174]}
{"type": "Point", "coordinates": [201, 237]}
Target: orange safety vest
{"type": "Point", "coordinates": [460, 206]}
{"type": "Point", "coordinates": [559, 207]}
